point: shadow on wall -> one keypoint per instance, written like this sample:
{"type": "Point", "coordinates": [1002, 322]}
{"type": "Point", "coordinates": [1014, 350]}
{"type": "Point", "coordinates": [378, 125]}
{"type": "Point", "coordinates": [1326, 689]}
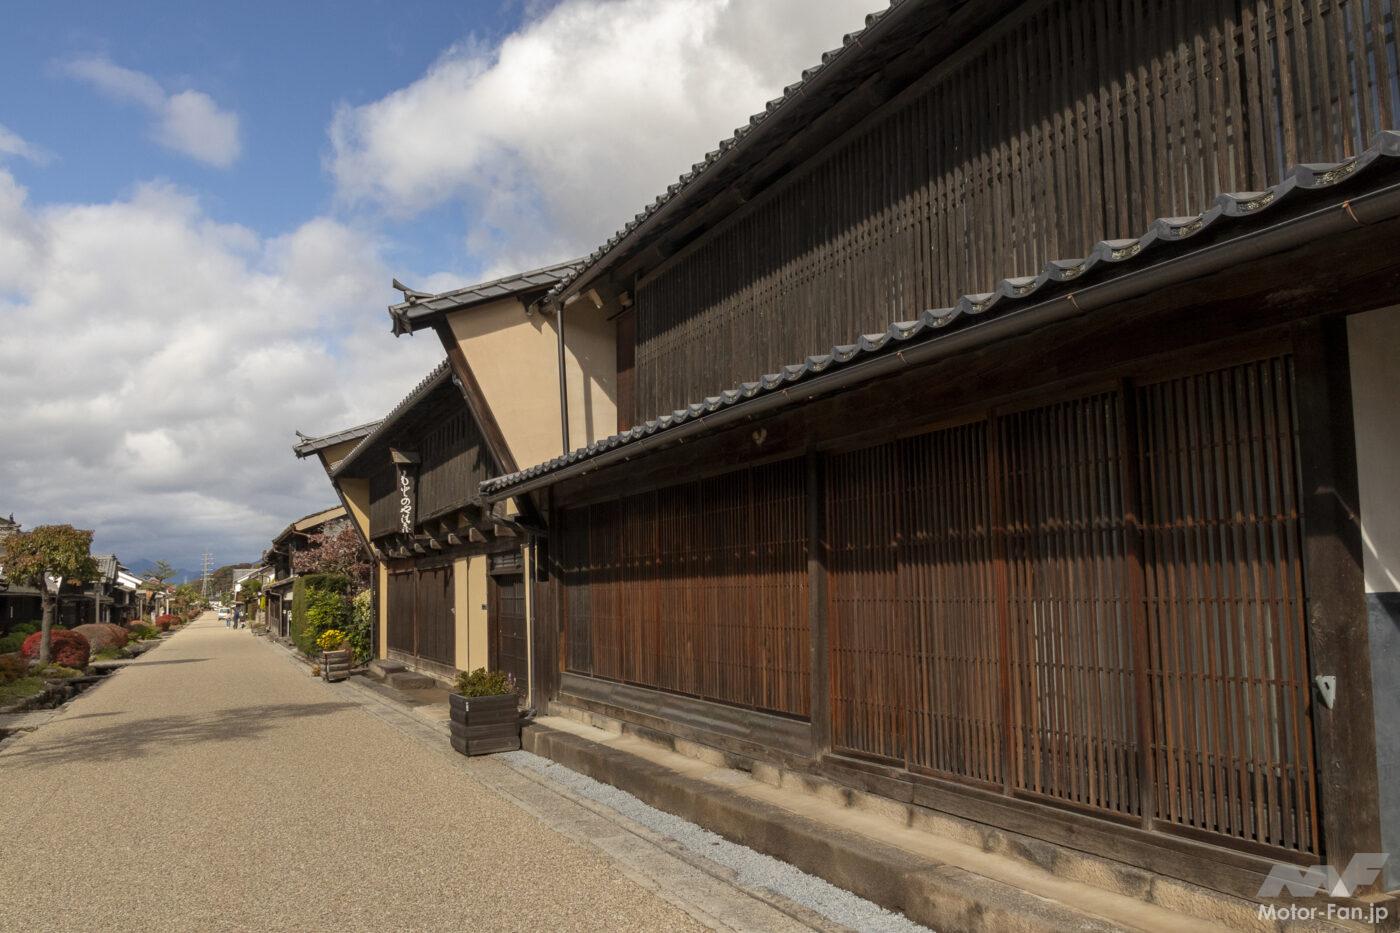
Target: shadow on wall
{"type": "Point", "coordinates": [124, 742]}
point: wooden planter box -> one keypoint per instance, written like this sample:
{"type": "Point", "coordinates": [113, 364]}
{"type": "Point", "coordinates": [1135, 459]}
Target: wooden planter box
{"type": "Point", "coordinates": [484, 725]}
{"type": "Point", "coordinates": [335, 665]}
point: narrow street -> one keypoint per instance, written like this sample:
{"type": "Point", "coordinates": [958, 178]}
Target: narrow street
{"type": "Point", "coordinates": [215, 785]}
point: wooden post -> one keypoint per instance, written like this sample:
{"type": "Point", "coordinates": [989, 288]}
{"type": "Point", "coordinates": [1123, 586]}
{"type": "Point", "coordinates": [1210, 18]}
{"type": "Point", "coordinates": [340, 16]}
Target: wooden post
{"type": "Point", "coordinates": [817, 605]}
{"type": "Point", "coordinates": [1338, 638]}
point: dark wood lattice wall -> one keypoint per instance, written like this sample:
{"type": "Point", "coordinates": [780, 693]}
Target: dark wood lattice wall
{"type": "Point", "coordinates": [1084, 121]}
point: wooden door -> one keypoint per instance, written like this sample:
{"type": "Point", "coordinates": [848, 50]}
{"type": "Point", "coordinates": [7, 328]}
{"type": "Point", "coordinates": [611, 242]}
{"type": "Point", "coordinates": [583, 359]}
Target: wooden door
{"type": "Point", "coordinates": [436, 628]}
{"type": "Point", "coordinates": [507, 635]}
{"type": "Point", "coordinates": [401, 612]}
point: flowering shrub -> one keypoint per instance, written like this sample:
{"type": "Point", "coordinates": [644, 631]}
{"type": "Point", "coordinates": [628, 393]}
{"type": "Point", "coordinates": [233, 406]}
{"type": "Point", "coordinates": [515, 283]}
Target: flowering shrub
{"type": "Point", "coordinates": [69, 649]}
{"type": "Point", "coordinates": [103, 635]}
{"type": "Point", "coordinates": [331, 639]}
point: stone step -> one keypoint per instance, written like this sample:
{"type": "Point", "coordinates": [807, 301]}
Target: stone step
{"type": "Point", "coordinates": [380, 669]}
{"type": "Point", "coordinates": [410, 680]}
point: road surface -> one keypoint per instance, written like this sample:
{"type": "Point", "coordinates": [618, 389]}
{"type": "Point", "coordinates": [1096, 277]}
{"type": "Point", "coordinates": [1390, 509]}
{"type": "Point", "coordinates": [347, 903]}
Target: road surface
{"type": "Point", "coordinates": [215, 785]}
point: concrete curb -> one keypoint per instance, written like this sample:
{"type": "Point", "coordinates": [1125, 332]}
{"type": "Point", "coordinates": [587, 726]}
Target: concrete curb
{"type": "Point", "coordinates": [944, 897]}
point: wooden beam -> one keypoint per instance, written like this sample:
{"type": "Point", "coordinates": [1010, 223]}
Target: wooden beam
{"type": "Point", "coordinates": [1338, 628]}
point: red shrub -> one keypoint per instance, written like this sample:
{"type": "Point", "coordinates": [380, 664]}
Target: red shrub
{"type": "Point", "coordinates": [103, 635]}
{"type": "Point", "coordinates": [163, 622]}
{"type": "Point", "coordinates": [70, 649]}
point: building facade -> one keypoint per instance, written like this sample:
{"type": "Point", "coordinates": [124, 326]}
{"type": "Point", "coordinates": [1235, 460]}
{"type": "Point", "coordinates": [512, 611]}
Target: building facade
{"type": "Point", "coordinates": [1007, 436]}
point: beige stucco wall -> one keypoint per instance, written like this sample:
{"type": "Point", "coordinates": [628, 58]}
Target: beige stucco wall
{"type": "Point", "coordinates": [469, 609]}
{"type": "Point", "coordinates": [476, 610]}
{"type": "Point", "coordinates": [514, 358]}
{"type": "Point", "coordinates": [335, 453]}
{"type": "Point", "coordinates": [356, 493]}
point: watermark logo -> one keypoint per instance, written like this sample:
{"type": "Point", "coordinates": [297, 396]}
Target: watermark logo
{"type": "Point", "coordinates": [1324, 881]}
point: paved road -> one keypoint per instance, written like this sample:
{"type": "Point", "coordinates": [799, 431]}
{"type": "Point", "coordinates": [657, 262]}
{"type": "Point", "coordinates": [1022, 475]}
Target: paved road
{"type": "Point", "coordinates": [216, 786]}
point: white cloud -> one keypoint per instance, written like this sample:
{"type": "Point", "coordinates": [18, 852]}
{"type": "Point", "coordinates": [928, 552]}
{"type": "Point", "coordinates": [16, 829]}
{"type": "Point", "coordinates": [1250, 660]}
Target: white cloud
{"type": "Point", "coordinates": [155, 364]}
{"type": "Point", "coordinates": [188, 122]}
{"type": "Point", "coordinates": [12, 144]}
{"type": "Point", "coordinates": [559, 135]}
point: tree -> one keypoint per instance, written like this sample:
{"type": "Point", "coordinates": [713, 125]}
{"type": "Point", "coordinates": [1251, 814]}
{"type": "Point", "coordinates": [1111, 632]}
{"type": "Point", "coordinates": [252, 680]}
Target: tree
{"type": "Point", "coordinates": [161, 572]}
{"type": "Point", "coordinates": [49, 549]}
{"type": "Point", "coordinates": [340, 551]}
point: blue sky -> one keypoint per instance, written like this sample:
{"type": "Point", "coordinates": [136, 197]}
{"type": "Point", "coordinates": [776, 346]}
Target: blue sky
{"type": "Point", "coordinates": [283, 67]}
{"type": "Point", "coordinates": [202, 206]}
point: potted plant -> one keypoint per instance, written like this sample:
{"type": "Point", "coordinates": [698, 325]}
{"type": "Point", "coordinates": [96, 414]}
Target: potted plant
{"type": "Point", "coordinates": [336, 656]}
{"type": "Point", "coordinates": [485, 715]}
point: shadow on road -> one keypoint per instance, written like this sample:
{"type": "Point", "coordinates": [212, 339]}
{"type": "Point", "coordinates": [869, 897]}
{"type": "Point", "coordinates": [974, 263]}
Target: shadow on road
{"type": "Point", "coordinates": [164, 733]}
{"type": "Point", "coordinates": [171, 661]}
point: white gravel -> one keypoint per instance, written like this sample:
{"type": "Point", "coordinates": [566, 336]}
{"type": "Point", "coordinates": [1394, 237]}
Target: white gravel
{"type": "Point", "coordinates": [753, 869]}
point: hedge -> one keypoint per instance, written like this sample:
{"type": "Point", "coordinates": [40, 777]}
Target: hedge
{"type": "Point", "coordinates": [318, 603]}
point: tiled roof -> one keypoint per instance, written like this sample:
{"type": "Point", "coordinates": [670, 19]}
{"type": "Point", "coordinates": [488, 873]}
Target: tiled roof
{"type": "Point", "coordinates": [440, 373]}
{"type": "Point", "coordinates": [852, 44]}
{"type": "Point", "coordinates": [409, 314]}
{"type": "Point", "coordinates": [1166, 237]}
{"type": "Point", "coordinates": [310, 445]}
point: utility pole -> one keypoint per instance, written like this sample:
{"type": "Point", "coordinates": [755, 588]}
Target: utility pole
{"type": "Point", "coordinates": [204, 585]}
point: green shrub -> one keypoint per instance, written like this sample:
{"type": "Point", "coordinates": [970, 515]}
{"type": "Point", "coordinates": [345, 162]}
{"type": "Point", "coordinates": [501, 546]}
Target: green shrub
{"type": "Point", "coordinates": [484, 683]}
{"type": "Point", "coordinates": [361, 624]}
{"type": "Point", "coordinates": [12, 642]}
{"type": "Point", "coordinates": [318, 604]}
{"type": "Point", "coordinates": [20, 689]}
{"type": "Point", "coordinates": [57, 672]}
{"type": "Point", "coordinates": [26, 628]}
{"type": "Point", "coordinates": [108, 654]}
{"type": "Point", "coordinates": [139, 631]}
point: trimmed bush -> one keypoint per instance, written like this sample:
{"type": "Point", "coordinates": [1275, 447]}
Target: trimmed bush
{"type": "Point", "coordinates": [318, 603]}
{"type": "Point", "coordinates": [12, 642]}
{"type": "Point", "coordinates": [103, 635]}
{"type": "Point", "coordinates": [69, 649]}
{"type": "Point", "coordinates": [12, 667]}
{"type": "Point", "coordinates": [139, 630]}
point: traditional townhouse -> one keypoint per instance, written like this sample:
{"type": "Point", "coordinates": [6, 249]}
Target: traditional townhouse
{"type": "Point", "coordinates": [1003, 426]}
{"type": "Point", "coordinates": [450, 574]}
{"type": "Point", "coordinates": [279, 558]}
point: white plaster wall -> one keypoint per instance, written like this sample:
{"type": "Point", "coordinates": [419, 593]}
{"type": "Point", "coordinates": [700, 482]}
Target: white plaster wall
{"type": "Point", "coordinates": [1374, 342]}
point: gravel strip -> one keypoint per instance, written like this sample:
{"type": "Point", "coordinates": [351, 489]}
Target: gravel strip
{"type": "Point", "coordinates": [751, 868]}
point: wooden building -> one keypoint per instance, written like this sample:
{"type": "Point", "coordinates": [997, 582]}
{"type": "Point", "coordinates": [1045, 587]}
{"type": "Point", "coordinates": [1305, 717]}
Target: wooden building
{"type": "Point", "coordinates": [281, 567]}
{"type": "Point", "coordinates": [1003, 426]}
{"type": "Point", "coordinates": [448, 571]}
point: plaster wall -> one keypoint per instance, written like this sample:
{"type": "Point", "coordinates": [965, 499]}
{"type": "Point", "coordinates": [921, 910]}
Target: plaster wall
{"type": "Point", "coordinates": [514, 358]}
{"type": "Point", "coordinates": [1373, 340]}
